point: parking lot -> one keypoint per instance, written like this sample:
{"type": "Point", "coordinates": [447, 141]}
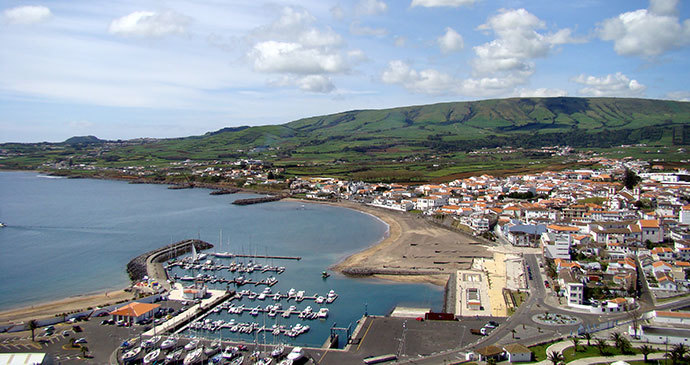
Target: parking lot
{"type": "Point", "coordinates": [100, 339]}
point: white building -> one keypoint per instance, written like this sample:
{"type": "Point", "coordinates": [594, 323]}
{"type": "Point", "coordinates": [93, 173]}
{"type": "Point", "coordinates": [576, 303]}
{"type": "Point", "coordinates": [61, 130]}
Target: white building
{"type": "Point", "coordinates": [556, 245]}
{"type": "Point", "coordinates": [684, 215]}
{"type": "Point", "coordinates": [517, 353]}
{"type": "Point", "coordinates": [575, 293]}
{"type": "Point", "coordinates": [666, 327]}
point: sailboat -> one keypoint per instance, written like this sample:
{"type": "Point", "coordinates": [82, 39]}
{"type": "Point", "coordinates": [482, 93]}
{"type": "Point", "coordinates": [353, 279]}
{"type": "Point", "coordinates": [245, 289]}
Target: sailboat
{"type": "Point", "coordinates": [223, 254]}
{"type": "Point", "coordinates": [195, 257]}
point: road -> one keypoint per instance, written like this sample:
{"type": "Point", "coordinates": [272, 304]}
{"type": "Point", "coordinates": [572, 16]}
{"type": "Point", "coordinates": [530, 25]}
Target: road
{"type": "Point", "coordinates": [521, 322]}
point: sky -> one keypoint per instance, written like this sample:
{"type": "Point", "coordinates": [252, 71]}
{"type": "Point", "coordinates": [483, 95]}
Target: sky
{"type": "Point", "coordinates": [168, 68]}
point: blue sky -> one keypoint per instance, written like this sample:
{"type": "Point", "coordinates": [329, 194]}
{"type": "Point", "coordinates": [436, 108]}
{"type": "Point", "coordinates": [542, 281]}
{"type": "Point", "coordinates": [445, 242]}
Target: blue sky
{"type": "Point", "coordinates": [166, 68]}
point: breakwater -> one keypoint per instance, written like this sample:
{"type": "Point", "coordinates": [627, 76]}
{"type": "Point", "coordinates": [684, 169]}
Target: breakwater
{"type": "Point", "coordinates": [264, 199]}
{"type": "Point", "coordinates": [224, 191]}
{"type": "Point", "coordinates": [138, 267]}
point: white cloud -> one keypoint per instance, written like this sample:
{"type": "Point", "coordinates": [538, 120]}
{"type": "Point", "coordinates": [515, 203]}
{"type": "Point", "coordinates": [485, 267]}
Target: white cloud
{"type": "Point", "coordinates": [609, 85]}
{"type": "Point", "coordinates": [647, 32]}
{"type": "Point", "coordinates": [437, 3]}
{"type": "Point", "coordinates": [678, 95]}
{"type": "Point", "coordinates": [507, 61]}
{"type": "Point", "coordinates": [427, 81]}
{"type": "Point", "coordinates": [315, 83]}
{"type": "Point", "coordinates": [357, 28]}
{"type": "Point", "coordinates": [303, 54]}
{"type": "Point", "coordinates": [26, 14]}
{"type": "Point", "coordinates": [541, 93]}
{"type": "Point", "coordinates": [150, 24]}
{"type": "Point", "coordinates": [451, 41]}
{"type": "Point", "coordinates": [287, 57]}
{"type": "Point", "coordinates": [316, 38]}
{"type": "Point", "coordinates": [371, 7]}
{"type": "Point", "coordinates": [663, 7]}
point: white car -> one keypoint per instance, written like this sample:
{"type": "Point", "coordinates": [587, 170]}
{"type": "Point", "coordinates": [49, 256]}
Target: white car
{"type": "Point", "coordinates": [80, 340]}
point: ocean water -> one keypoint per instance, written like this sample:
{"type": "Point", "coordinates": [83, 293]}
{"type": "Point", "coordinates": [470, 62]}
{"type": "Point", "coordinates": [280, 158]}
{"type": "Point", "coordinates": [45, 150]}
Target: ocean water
{"type": "Point", "coordinates": [67, 237]}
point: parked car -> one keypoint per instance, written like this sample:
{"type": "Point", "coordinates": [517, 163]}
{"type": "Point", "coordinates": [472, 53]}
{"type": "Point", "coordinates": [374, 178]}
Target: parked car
{"type": "Point", "coordinates": [65, 333]}
{"type": "Point", "coordinates": [80, 340]}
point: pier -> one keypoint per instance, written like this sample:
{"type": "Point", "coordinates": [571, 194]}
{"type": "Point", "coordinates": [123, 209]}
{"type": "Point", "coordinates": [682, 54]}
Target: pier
{"type": "Point", "coordinates": [249, 201]}
{"type": "Point", "coordinates": [150, 263]}
{"type": "Point", "coordinates": [268, 257]}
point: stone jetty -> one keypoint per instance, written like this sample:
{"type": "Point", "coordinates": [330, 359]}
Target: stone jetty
{"type": "Point", "coordinates": [264, 199]}
{"type": "Point", "coordinates": [150, 263]}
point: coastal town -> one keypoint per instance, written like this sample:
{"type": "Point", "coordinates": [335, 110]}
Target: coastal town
{"type": "Point", "coordinates": [560, 254]}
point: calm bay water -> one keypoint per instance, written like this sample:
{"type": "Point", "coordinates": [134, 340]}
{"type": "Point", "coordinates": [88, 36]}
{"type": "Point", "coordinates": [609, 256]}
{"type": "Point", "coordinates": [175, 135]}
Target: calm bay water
{"type": "Point", "coordinates": [73, 236]}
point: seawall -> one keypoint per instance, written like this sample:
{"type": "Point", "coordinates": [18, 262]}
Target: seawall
{"type": "Point", "coordinates": [140, 266]}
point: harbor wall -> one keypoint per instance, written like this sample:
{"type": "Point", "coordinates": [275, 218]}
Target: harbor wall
{"type": "Point", "coordinates": [137, 268]}
{"type": "Point", "coordinates": [449, 294]}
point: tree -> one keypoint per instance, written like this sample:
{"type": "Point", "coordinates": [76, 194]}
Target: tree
{"type": "Point", "coordinates": [625, 346]}
{"type": "Point", "coordinates": [555, 357]}
{"type": "Point", "coordinates": [630, 179]}
{"type": "Point", "coordinates": [601, 345]}
{"type": "Point", "coordinates": [678, 353]}
{"type": "Point", "coordinates": [635, 317]}
{"type": "Point", "coordinates": [513, 331]}
{"type": "Point", "coordinates": [646, 350]}
{"type": "Point", "coordinates": [616, 338]}
{"type": "Point", "coordinates": [32, 326]}
{"type": "Point", "coordinates": [588, 337]}
{"type": "Point", "coordinates": [576, 341]}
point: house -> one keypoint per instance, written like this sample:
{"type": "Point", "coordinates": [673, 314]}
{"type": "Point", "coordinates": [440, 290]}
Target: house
{"type": "Point", "coordinates": [666, 282]}
{"type": "Point", "coordinates": [490, 352]}
{"type": "Point", "coordinates": [662, 253]}
{"type": "Point", "coordinates": [135, 312]}
{"type": "Point", "coordinates": [517, 353]}
{"type": "Point", "coordinates": [651, 230]}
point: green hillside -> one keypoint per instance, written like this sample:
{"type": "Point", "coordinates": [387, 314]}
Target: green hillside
{"type": "Point", "coordinates": [409, 143]}
{"type": "Point", "coordinates": [463, 126]}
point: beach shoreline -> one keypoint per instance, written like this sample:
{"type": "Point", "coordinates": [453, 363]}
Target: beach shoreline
{"type": "Point", "coordinates": [72, 304]}
{"type": "Point", "coordinates": [411, 250]}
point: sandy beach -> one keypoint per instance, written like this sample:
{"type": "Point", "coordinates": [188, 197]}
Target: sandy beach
{"type": "Point", "coordinates": [414, 250]}
{"type": "Point", "coordinates": [66, 305]}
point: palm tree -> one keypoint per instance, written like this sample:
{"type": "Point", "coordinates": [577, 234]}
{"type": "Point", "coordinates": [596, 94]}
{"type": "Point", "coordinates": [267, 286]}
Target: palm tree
{"type": "Point", "coordinates": [646, 350]}
{"type": "Point", "coordinates": [555, 357]}
{"type": "Point", "coordinates": [625, 346]}
{"type": "Point", "coordinates": [513, 331]}
{"type": "Point", "coordinates": [588, 337]}
{"type": "Point", "coordinates": [678, 353]}
{"type": "Point", "coordinates": [601, 345]}
{"type": "Point", "coordinates": [32, 326]}
{"type": "Point", "coordinates": [616, 338]}
{"type": "Point", "coordinates": [576, 341]}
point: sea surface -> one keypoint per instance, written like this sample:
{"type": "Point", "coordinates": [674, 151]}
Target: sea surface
{"type": "Point", "coordinates": [66, 237]}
